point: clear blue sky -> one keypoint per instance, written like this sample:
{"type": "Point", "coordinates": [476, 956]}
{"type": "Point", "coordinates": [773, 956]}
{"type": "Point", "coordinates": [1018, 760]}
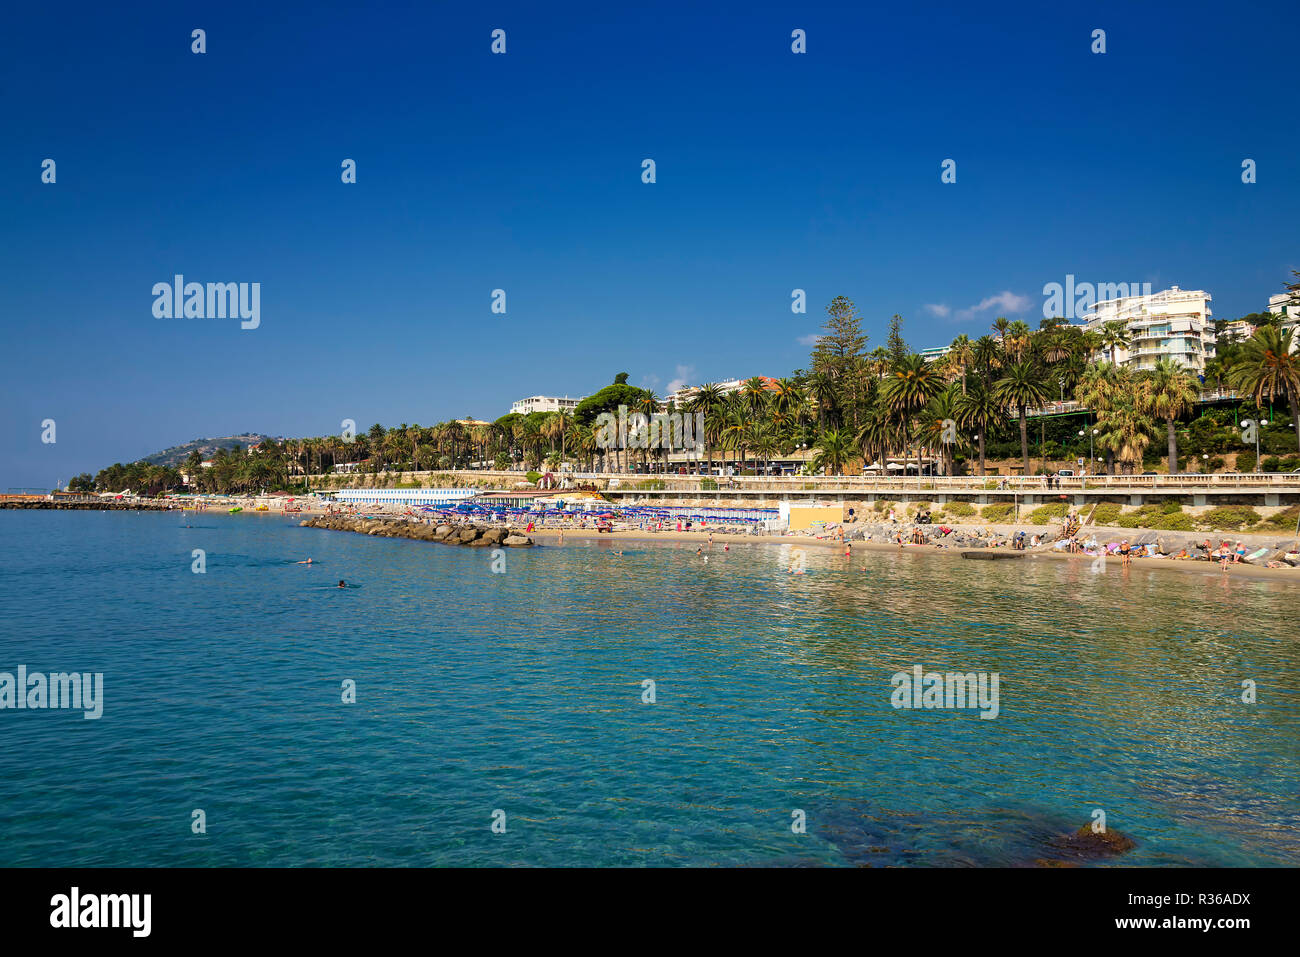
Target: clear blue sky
{"type": "Point", "coordinates": [523, 172]}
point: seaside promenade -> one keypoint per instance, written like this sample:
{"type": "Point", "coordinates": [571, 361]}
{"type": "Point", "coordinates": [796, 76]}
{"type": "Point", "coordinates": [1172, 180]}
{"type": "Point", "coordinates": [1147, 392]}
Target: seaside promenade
{"type": "Point", "coordinates": [1196, 489]}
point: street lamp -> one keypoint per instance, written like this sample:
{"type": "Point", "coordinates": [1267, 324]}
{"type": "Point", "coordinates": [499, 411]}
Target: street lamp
{"type": "Point", "coordinates": [1205, 462]}
{"type": "Point", "coordinates": [1090, 438]}
{"type": "Point", "coordinates": [1261, 423]}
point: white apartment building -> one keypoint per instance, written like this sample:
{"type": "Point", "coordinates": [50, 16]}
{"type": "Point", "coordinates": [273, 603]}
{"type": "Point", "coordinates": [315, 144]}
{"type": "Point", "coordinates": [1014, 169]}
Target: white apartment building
{"type": "Point", "coordinates": [1172, 323]}
{"type": "Point", "coordinates": [544, 403]}
{"type": "Point", "coordinates": [1287, 305]}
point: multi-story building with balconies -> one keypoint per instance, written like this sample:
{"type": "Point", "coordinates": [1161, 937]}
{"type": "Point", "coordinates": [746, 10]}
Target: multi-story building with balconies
{"type": "Point", "coordinates": [1172, 323]}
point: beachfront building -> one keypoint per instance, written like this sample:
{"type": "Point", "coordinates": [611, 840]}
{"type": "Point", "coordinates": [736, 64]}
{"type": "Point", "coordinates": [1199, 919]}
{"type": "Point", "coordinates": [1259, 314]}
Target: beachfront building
{"type": "Point", "coordinates": [1173, 323]}
{"type": "Point", "coordinates": [402, 496]}
{"type": "Point", "coordinates": [544, 403]}
{"type": "Point", "coordinates": [936, 353]}
{"type": "Point", "coordinates": [1287, 305]}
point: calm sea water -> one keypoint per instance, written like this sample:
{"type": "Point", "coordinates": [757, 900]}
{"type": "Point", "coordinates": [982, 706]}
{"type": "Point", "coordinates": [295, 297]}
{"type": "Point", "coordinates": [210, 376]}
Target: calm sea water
{"type": "Point", "coordinates": [522, 692]}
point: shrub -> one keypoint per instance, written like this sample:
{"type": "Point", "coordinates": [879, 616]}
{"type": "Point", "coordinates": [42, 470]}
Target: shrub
{"type": "Point", "coordinates": [1106, 513]}
{"type": "Point", "coordinates": [1171, 506]}
{"type": "Point", "coordinates": [1228, 517]}
{"type": "Point", "coordinates": [1044, 514]}
{"type": "Point", "coordinates": [1284, 520]}
{"type": "Point", "coordinates": [998, 512]}
{"type": "Point", "coordinates": [1175, 522]}
{"type": "Point", "coordinates": [533, 477]}
{"type": "Point", "coordinates": [652, 485]}
{"type": "Point", "coordinates": [882, 505]}
{"type": "Point", "coordinates": [916, 508]}
{"type": "Point", "coordinates": [959, 509]}
{"type": "Point", "coordinates": [709, 485]}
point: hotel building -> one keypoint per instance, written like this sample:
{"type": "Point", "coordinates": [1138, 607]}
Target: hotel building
{"type": "Point", "coordinates": [1287, 305]}
{"type": "Point", "coordinates": [1173, 323]}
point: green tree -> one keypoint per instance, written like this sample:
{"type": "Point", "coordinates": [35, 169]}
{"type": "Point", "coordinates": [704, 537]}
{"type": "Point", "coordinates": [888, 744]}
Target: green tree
{"type": "Point", "coordinates": [1170, 393]}
{"type": "Point", "coordinates": [1021, 388]}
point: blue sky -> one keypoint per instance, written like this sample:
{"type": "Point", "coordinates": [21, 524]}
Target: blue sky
{"type": "Point", "coordinates": [476, 171]}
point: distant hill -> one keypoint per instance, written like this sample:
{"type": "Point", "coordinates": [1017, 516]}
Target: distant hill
{"type": "Point", "coordinates": [177, 454]}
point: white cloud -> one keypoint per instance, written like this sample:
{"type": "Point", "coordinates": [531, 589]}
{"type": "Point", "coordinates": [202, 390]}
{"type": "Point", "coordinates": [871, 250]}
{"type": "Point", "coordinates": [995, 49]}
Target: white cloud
{"type": "Point", "coordinates": [809, 340]}
{"type": "Point", "coordinates": [937, 309]}
{"type": "Point", "coordinates": [685, 377]}
{"type": "Point", "coordinates": [1005, 301]}
{"type": "Point", "coordinates": [649, 381]}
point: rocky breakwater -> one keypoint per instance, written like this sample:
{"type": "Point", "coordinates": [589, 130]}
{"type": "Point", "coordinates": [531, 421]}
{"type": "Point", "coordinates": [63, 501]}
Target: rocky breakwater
{"type": "Point", "coordinates": [397, 528]}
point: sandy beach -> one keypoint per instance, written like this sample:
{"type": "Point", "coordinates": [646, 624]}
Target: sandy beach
{"type": "Point", "coordinates": [551, 537]}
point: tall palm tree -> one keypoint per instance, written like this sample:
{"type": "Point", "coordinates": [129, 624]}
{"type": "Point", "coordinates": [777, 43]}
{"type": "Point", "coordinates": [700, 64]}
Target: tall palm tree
{"type": "Point", "coordinates": [1268, 369]}
{"type": "Point", "coordinates": [909, 389]}
{"type": "Point", "coordinates": [962, 354]}
{"type": "Point", "coordinates": [980, 409]}
{"type": "Point", "coordinates": [987, 357]}
{"type": "Point", "coordinates": [708, 399]}
{"type": "Point", "coordinates": [1020, 388]}
{"type": "Point", "coordinates": [1101, 390]}
{"type": "Point", "coordinates": [1170, 393]}
{"type": "Point", "coordinates": [936, 419]}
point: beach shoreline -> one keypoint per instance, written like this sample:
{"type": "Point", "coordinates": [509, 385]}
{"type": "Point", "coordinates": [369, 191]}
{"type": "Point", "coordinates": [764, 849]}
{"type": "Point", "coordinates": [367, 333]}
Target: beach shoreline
{"type": "Point", "coordinates": [549, 537]}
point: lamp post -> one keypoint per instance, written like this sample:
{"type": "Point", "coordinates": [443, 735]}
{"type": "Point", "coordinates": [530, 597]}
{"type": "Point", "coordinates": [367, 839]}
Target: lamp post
{"type": "Point", "coordinates": [1205, 463]}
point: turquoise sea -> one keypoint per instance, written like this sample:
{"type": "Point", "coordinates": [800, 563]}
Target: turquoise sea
{"type": "Point", "coordinates": [522, 692]}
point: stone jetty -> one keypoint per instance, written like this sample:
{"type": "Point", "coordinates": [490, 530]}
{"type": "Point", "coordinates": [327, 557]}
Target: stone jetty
{"type": "Point", "coordinates": [398, 528]}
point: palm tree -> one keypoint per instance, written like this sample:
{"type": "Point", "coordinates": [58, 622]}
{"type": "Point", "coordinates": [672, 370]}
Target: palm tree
{"type": "Point", "coordinates": [936, 418]}
{"type": "Point", "coordinates": [1021, 388]}
{"type": "Point", "coordinates": [832, 450]}
{"type": "Point", "coordinates": [962, 354]}
{"type": "Point", "coordinates": [1127, 431]}
{"type": "Point", "coordinates": [1100, 390]}
{"type": "Point", "coordinates": [1268, 369]}
{"type": "Point", "coordinates": [980, 409]}
{"type": "Point", "coordinates": [1170, 393]}
{"type": "Point", "coordinates": [708, 399]}
{"type": "Point", "coordinates": [1114, 336]}
{"type": "Point", "coordinates": [987, 357]}
{"type": "Point", "coordinates": [909, 389]}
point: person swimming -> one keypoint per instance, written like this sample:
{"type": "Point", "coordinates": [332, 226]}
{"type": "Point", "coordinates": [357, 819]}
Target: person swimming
{"type": "Point", "coordinates": [342, 583]}
{"type": "Point", "coordinates": [307, 562]}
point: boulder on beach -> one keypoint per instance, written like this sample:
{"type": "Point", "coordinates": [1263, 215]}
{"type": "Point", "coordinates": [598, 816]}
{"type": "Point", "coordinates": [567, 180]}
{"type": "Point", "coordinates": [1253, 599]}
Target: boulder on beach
{"type": "Point", "coordinates": [516, 540]}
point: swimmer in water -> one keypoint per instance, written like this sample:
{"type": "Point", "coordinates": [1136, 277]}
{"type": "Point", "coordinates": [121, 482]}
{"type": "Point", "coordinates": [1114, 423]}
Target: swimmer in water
{"type": "Point", "coordinates": [307, 562]}
{"type": "Point", "coordinates": [342, 583]}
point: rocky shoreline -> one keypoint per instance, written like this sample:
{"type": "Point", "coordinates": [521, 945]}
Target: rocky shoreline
{"type": "Point", "coordinates": [398, 528]}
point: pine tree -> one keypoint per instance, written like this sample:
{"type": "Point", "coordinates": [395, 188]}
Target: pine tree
{"type": "Point", "coordinates": [898, 350]}
{"type": "Point", "coordinates": [840, 357]}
